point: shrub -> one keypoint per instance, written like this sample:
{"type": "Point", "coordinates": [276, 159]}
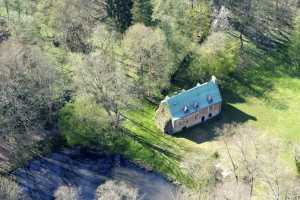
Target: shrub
{"type": "Point", "coordinates": [116, 191]}
{"type": "Point", "coordinates": [9, 190]}
{"type": "Point", "coordinates": [66, 193]}
{"type": "Point", "coordinates": [84, 123]}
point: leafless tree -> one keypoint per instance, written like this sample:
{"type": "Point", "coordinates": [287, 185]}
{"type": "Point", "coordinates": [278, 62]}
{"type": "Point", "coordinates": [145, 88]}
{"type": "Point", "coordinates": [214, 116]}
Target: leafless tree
{"type": "Point", "coordinates": [66, 193]}
{"type": "Point", "coordinates": [100, 75]}
{"type": "Point", "coordinates": [74, 21]}
{"type": "Point", "coordinates": [257, 162]}
{"type": "Point", "coordinates": [27, 87]}
{"type": "Point", "coordinates": [115, 190]}
{"type": "Point", "coordinates": [9, 190]}
{"type": "Point", "coordinates": [227, 131]}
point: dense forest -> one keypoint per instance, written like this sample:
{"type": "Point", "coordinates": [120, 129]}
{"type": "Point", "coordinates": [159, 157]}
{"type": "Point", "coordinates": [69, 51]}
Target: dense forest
{"type": "Point", "coordinates": [90, 74]}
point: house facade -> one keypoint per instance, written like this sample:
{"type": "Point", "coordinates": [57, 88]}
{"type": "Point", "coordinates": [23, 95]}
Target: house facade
{"type": "Point", "coordinates": [189, 108]}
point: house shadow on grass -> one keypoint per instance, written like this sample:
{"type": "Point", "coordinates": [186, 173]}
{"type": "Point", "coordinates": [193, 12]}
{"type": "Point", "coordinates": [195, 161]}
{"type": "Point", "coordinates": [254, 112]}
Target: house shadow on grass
{"type": "Point", "coordinates": [207, 131]}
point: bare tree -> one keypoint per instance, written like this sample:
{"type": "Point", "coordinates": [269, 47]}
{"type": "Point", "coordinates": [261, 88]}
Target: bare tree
{"type": "Point", "coordinates": [117, 191]}
{"type": "Point", "coordinates": [74, 21]}
{"type": "Point", "coordinates": [184, 193]}
{"type": "Point", "coordinates": [257, 163]}
{"type": "Point", "coordinates": [9, 190]}
{"type": "Point", "coordinates": [27, 82]}
{"type": "Point", "coordinates": [7, 8]}
{"type": "Point", "coordinates": [66, 193]}
{"type": "Point", "coordinates": [227, 132]}
{"type": "Point", "coordinates": [100, 75]}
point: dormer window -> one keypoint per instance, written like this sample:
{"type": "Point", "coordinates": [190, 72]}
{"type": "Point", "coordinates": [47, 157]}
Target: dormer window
{"type": "Point", "coordinates": [210, 99]}
{"type": "Point", "coordinates": [185, 109]}
{"type": "Point", "coordinates": [196, 105]}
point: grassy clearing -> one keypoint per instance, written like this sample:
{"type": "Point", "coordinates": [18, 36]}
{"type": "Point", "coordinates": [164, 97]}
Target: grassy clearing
{"type": "Point", "coordinates": [153, 149]}
{"type": "Point", "coordinates": [279, 113]}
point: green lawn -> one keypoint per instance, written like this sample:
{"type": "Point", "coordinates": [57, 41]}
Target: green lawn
{"type": "Point", "coordinates": [279, 113]}
{"type": "Point", "coordinates": [152, 148]}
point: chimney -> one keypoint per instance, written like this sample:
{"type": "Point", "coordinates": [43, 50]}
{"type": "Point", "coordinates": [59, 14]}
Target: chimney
{"type": "Point", "coordinates": [214, 79]}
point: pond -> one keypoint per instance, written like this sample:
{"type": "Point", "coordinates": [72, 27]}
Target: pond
{"type": "Point", "coordinates": [41, 178]}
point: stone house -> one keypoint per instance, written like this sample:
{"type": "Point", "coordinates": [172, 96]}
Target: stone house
{"type": "Point", "coordinates": [189, 108]}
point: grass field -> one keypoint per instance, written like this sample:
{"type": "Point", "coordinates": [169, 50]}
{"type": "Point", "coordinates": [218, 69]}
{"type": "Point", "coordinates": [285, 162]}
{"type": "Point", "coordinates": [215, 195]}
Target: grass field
{"type": "Point", "coordinates": [266, 99]}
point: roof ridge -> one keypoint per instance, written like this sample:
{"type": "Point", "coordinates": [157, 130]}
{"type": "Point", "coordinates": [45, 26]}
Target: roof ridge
{"type": "Point", "coordinates": [189, 90]}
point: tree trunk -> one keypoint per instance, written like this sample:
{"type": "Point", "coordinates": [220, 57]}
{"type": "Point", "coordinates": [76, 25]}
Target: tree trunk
{"type": "Point", "coordinates": [6, 3]}
{"type": "Point", "coordinates": [232, 162]}
{"type": "Point", "coordinates": [241, 41]}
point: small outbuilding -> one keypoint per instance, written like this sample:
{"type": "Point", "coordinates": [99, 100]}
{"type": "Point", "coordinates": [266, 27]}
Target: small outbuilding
{"type": "Point", "coordinates": [189, 108]}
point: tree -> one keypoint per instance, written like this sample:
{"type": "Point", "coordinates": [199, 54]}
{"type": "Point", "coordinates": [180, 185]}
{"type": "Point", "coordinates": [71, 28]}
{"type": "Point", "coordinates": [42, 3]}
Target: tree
{"type": "Point", "coordinates": [267, 23]}
{"type": "Point", "coordinates": [66, 193]}
{"type": "Point", "coordinates": [7, 9]}
{"type": "Point", "coordinates": [71, 22]}
{"type": "Point", "coordinates": [28, 90]}
{"type": "Point", "coordinates": [85, 123]}
{"type": "Point", "coordinates": [188, 18]}
{"type": "Point", "coordinates": [187, 25]}
{"type": "Point", "coordinates": [142, 12]}
{"type": "Point", "coordinates": [117, 191]}
{"type": "Point", "coordinates": [100, 75]}
{"type": "Point", "coordinates": [244, 18]}
{"type": "Point", "coordinates": [255, 162]}
{"type": "Point", "coordinates": [120, 13]}
{"type": "Point", "coordinates": [294, 47]}
{"type": "Point", "coordinates": [10, 190]}
{"type": "Point", "coordinates": [217, 56]}
{"type": "Point", "coordinates": [148, 57]}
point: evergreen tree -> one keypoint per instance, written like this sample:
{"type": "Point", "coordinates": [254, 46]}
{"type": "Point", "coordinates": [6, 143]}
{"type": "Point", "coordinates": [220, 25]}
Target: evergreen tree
{"type": "Point", "coordinates": [120, 13]}
{"type": "Point", "coordinates": [142, 12]}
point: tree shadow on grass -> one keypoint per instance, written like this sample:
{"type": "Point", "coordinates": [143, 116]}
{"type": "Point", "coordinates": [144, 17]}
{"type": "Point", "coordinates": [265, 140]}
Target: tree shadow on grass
{"type": "Point", "coordinates": [207, 131]}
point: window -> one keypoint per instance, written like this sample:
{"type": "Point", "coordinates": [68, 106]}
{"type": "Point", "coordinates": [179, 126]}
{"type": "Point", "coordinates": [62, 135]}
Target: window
{"type": "Point", "coordinates": [210, 99]}
{"type": "Point", "coordinates": [185, 109]}
{"type": "Point", "coordinates": [210, 115]}
{"type": "Point", "coordinates": [203, 119]}
{"type": "Point", "coordinates": [196, 105]}
{"type": "Point", "coordinates": [180, 123]}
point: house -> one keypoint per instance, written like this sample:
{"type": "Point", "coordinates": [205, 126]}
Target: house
{"type": "Point", "coordinates": [189, 108]}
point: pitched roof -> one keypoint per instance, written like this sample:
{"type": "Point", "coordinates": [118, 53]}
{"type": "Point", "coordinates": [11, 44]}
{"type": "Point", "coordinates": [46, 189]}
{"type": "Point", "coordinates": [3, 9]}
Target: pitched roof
{"type": "Point", "coordinates": [195, 99]}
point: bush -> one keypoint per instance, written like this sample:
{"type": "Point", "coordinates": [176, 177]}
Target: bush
{"type": "Point", "coordinates": [9, 190]}
{"type": "Point", "coordinates": [66, 193]}
{"type": "Point", "coordinates": [84, 123]}
{"type": "Point", "coordinates": [116, 191]}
